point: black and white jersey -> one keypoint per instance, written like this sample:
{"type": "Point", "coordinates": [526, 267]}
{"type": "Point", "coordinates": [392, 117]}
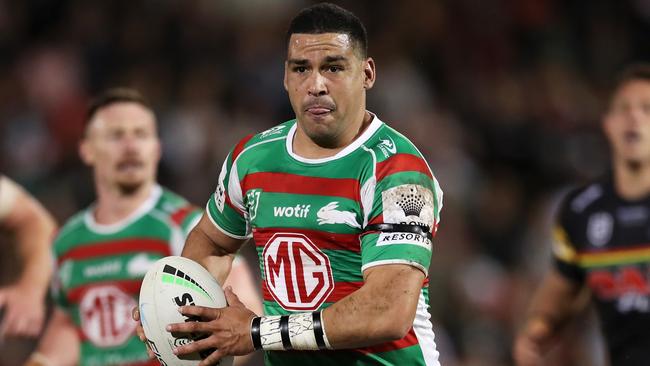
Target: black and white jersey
{"type": "Point", "coordinates": [603, 241]}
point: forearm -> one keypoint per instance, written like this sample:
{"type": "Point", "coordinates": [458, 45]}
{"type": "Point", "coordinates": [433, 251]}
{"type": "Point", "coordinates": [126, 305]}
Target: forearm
{"type": "Point", "coordinates": [363, 319]}
{"type": "Point", "coordinates": [553, 305]}
{"type": "Point", "coordinates": [382, 310]}
{"type": "Point", "coordinates": [38, 264]}
{"type": "Point", "coordinates": [211, 248]}
{"type": "Point", "coordinates": [34, 229]}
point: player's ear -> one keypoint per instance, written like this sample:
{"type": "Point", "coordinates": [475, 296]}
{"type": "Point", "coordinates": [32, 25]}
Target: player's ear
{"type": "Point", "coordinates": [158, 150]}
{"type": "Point", "coordinates": [285, 76]}
{"type": "Point", "coordinates": [85, 152]}
{"type": "Point", "coordinates": [369, 73]}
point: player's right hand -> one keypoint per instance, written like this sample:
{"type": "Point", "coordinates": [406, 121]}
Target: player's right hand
{"type": "Point", "coordinates": [24, 311]}
{"type": "Point", "coordinates": [135, 313]}
{"type": "Point", "coordinates": [532, 343]}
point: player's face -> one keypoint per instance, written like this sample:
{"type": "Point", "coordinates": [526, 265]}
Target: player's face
{"type": "Point", "coordinates": [326, 79]}
{"type": "Point", "coordinates": [122, 146]}
{"type": "Point", "coordinates": [627, 123]}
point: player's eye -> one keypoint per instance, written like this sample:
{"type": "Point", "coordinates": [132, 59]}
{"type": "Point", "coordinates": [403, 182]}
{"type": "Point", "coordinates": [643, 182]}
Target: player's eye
{"type": "Point", "coordinates": [141, 134]}
{"type": "Point", "coordinates": [334, 68]}
{"type": "Point", "coordinates": [645, 107]}
{"type": "Point", "coordinates": [115, 135]}
{"type": "Point", "coordinates": [300, 69]}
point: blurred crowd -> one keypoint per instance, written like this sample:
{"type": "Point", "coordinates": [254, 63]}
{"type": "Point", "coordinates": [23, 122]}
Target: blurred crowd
{"type": "Point", "coordinates": [503, 97]}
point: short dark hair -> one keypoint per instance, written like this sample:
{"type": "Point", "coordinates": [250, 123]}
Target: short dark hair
{"type": "Point", "coordinates": [636, 71]}
{"type": "Point", "coordinates": [330, 18]}
{"type": "Point", "coordinates": [115, 95]}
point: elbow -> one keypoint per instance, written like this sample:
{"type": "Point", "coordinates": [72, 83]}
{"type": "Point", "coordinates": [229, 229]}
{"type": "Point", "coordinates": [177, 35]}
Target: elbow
{"type": "Point", "coordinates": [395, 326]}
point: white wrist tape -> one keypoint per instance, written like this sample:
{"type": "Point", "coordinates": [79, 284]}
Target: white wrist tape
{"type": "Point", "coordinates": [301, 331]}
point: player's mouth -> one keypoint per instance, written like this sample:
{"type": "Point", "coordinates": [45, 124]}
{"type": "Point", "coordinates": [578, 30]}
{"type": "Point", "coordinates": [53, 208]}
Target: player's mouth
{"type": "Point", "coordinates": [129, 165]}
{"type": "Point", "coordinates": [319, 110]}
{"type": "Point", "coordinates": [631, 137]}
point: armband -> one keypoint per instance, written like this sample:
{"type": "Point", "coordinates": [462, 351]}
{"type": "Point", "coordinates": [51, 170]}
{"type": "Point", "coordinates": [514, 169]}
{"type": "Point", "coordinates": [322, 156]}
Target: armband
{"type": "Point", "coordinates": [398, 228]}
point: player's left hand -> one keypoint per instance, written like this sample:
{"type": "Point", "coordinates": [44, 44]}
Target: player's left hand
{"type": "Point", "coordinates": [228, 329]}
{"type": "Point", "coordinates": [24, 311]}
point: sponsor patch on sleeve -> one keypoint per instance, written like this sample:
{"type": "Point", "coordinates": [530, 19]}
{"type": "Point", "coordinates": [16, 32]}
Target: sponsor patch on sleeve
{"type": "Point", "coordinates": [410, 204]}
{"type": "Point", "coordinates": [404, 238]}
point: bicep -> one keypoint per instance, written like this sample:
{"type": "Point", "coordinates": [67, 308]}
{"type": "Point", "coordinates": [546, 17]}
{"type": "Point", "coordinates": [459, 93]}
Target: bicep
{"type": "Point", "coordinates": [206, 239]}
{"type": "Point", "coordinates": [208, 245]}
{"type": "Point", "coordinates": [395, 283]}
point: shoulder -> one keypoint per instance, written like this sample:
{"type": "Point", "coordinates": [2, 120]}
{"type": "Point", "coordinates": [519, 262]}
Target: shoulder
{"type": "Point", "coordinates": [174, 209]}
{"type": "Point", "coordinates": [585, 198]}
{"type": "Point", "coordinates": [394, 153]}
{"type": "Point", "coordinates": [70, 230]}
{"type": "Point", "coordinates": [253, 141]}
{"type": "Point", "coordinates": [387, 142]}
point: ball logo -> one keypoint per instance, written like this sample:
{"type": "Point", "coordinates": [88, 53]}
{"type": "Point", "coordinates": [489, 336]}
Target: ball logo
{"type": "Point", "coordinates": [298, 274]}
{"type": "Point", "coordinates": [106, 316]}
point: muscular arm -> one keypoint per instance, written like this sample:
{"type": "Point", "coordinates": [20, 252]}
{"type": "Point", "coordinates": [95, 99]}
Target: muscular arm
{"type": "Point", "coordinates": [553, 305]}
{"type": "Point", "coordinates": [382, 310]}
{"type": "Point", "coordinates": [33, 229]}
{"type": "Point", "coordinates": [212, 248]}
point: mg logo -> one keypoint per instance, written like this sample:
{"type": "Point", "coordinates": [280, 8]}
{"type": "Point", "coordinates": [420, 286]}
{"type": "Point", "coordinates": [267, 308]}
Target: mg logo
{"type": "Point", "coordinates": [106, 316]}
{"type": "Point", "coordinates": [298, 274]}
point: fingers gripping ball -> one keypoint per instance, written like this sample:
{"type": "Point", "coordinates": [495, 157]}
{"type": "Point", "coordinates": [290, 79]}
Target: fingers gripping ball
{"type": "Point", "coordinates": [172, 282]}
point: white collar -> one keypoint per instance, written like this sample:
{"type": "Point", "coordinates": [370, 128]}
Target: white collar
{"type": "Point", "coordinates": [145, 207]}
{"type": "Point", "coordinates": [370, 130]}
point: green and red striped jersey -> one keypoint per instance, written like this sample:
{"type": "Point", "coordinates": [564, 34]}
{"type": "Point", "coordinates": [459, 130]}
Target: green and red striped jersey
{"type": "Point", "coordinates": [308, 217]}
{"type": "Point", "coordinates": [100, 269]}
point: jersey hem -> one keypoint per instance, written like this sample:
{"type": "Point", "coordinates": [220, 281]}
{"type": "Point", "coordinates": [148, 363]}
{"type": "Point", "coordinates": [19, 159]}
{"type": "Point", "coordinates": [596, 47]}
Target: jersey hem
{"type": "Point", "coordinates": [395, 261]}
{"type": "Point", "coordinates": [226, 232]}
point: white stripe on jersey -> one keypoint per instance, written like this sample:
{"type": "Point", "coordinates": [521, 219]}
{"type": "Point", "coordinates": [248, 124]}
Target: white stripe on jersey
{"type": "Point", "coordinates": [424, 333]}
{"type": "Point", "coordinates": [368, 189]}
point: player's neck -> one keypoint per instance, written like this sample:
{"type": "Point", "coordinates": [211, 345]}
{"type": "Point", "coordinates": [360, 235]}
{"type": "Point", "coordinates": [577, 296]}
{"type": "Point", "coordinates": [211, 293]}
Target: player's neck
{"type": "Point", "coordinates": [632, 181]}
{"type": "Point", "coordinates": [307, 148]}
{"type": "Point", "coordinates": [114, 206]}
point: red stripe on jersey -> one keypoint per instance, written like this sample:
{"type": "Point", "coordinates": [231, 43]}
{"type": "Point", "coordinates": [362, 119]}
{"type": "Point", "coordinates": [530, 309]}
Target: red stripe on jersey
{"type": "Point", "coordinates": [117, 247]}
{"type": "Point", "coordinates": [322, 239]}
{"type": "Point", "coordinates": [240, 147]}
{"type": "Point", "coordinates": [402, 163]}
{"type": "Point", "coordinates": [130, 287]}
{"type": "Point", "coordinates": [379, 219]}
{"type": "Point", "coordinates": [409, 340]}
{"type": "Point", "coordinates": [301, 184]}
{"type": "Point", "coordinates": [341, 290]}
{"type": "Point", "coordinates": [180, 215]}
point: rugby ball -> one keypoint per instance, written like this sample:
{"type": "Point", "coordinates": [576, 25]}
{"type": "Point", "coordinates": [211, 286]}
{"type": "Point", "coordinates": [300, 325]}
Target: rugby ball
{"type": "Point", "coordinates": [173, 282]}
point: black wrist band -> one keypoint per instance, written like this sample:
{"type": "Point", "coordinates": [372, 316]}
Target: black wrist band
{"type": "Point", "coordinates": [255, 333]}
{"type": "Point", "coordinates": [284, 332]}
{"type": "Point", "coordinates": [318, 331]}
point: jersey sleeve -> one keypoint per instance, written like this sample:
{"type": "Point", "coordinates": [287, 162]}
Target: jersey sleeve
{"type": "Point", "coordinates": [407, 198]}
{"type": "Point", "coordinates": [565, 254]}
{"type": "Point", "coordinates": [226, 207]}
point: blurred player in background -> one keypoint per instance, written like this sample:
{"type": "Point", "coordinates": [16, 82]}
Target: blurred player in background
{"type": "Point", "coordinates": [25, 221]}
{"type": "Point", "coordinates": [342, 209]}
{"type": "Point", "coordinates": [104, 251]}
{"type": "Point", "coordinates": [602, 241]}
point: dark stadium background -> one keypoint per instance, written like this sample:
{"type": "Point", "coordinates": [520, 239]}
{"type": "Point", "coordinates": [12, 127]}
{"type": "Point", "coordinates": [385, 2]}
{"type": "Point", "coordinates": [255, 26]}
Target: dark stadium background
{"type": "Point", "coordinates": [502, 96]}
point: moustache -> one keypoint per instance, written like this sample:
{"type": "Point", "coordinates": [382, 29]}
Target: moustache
{"type": "Point", "coordinates": [319, 103]}
{"type": "Point", "coordinates": [129, 163]}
